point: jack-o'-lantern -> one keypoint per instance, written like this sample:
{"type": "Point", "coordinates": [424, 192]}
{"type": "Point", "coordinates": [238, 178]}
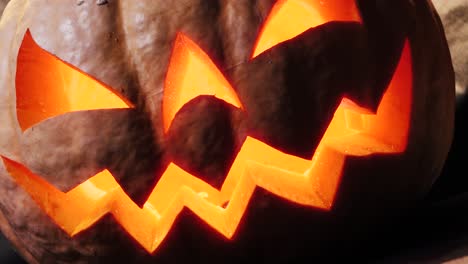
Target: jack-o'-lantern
{"type": "Point", "coordinates": [215, 130]}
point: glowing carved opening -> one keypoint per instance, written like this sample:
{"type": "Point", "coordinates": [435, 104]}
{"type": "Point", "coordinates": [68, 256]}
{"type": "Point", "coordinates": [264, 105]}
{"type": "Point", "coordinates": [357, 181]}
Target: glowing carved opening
{"type": "Point", "coordinates": [191, 73]}
{"type": "Point", "coordinates": [47, 87]}
{"type": "Point", "coordinates": [289, 18]}
{"type": "Point", "coordinates": [352, 131]}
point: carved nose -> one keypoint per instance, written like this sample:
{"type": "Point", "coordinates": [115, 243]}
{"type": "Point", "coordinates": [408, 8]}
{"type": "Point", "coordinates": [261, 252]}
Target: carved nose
{"type": "Point", "coordinates": [200, 114]}
{"type": "Point", "coordinates": [192, 73]}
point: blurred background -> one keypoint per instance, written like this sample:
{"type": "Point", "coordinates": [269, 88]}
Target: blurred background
{"type": "Point", "coordinates": [438, 231]}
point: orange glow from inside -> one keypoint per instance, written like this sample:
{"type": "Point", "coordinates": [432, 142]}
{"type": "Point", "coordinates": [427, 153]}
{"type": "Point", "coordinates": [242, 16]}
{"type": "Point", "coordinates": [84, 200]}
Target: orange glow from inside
{"type": "Point", "coordinates": [191, 73]}
{"type": "Point", "coordinates": [47, 87]}
{"type": "Point", "coordinates": [353, 131]}
{"type": "Point", "coordinates": [311, 182]}
{"type": "Point", "coordinates": [290, 18]}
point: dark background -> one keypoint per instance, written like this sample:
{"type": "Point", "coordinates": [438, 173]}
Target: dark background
{"type": "Point", "coordinates": [437, 232]}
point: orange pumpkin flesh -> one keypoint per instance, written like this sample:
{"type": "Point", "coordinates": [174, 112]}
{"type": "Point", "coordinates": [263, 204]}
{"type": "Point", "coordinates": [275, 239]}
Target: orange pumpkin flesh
{"type": "Point", "coordinates": [191, 74]}
{"type": "Point", "coordinates": [68, 89]}
{"type": "Point", "coordinates": [353, 131]}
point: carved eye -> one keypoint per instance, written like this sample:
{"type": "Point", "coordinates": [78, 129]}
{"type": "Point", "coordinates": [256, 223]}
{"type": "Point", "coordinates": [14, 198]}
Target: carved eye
{"type": "Point", "coordinates": [354, 130]}
{"type": "Point", "coordinates": [289, 18]}
{"type": "Point", "coordinates": [47, 86]}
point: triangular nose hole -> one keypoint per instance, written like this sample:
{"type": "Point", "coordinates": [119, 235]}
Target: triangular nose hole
{"type": "Point", "coordinates": [192, 73]}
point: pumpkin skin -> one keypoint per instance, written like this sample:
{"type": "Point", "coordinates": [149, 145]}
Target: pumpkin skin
{"type": "Point", "coordinates": [131, 54]}
{"type": "Point", "coordinates": [3, 3]}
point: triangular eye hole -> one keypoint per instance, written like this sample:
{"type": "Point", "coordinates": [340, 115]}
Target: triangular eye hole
{"type": "Point", "coordinates": [290, 18]}
{"type": "Point", "coordinates": [47, 86]}
{"type": "Point", "coordinates": [192, 73]}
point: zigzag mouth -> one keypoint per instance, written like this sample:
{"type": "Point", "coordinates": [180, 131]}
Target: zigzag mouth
{"type": "Point", "coordinates": [307, 182]}
{"type": "Point", "coordinates": [353, 131]}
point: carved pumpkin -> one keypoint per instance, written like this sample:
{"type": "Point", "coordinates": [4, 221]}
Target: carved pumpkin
{"type": "Point", "coordinates": [211, 130]}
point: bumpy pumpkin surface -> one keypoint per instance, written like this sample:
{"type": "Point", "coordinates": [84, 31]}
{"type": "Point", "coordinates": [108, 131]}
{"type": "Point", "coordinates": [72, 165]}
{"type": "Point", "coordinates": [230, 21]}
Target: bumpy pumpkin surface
{"type": "Point", "coordinates": [289, 94]}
